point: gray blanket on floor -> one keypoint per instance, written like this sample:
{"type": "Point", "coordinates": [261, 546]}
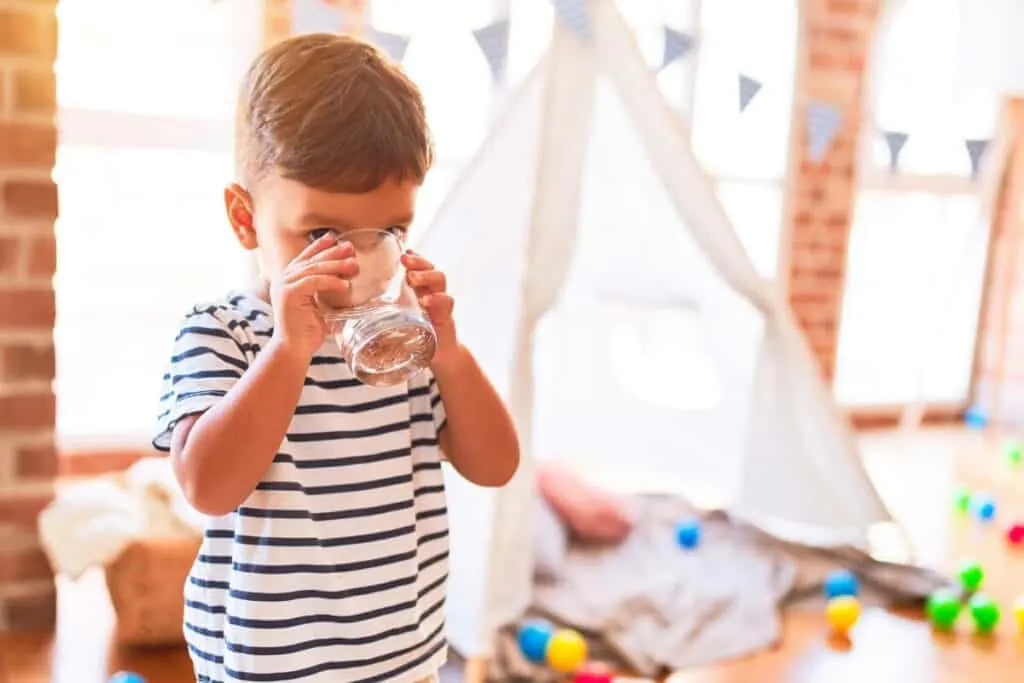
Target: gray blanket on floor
{"type": "Point", "coordinates": [651, 607]}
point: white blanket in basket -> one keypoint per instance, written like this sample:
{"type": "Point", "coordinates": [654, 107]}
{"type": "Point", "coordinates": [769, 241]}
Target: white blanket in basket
{"type": "Point", "coordinates": [89, 523]}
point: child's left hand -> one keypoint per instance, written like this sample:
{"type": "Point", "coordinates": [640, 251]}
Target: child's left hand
{"type": "Point", "coordinates": [431, 289]}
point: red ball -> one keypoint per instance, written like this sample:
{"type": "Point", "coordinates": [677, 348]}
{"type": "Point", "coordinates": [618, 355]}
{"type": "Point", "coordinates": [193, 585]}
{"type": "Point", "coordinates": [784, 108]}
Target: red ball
{"type": "Point", "coordinates": [593, 674]}
{"type": "Point", "coordinates": [1015, 534]}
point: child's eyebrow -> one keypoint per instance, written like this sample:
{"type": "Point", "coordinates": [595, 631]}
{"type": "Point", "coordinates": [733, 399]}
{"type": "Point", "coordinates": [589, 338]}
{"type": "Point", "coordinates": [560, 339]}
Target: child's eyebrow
{"type": "Point", "coordinates": [315, 220]}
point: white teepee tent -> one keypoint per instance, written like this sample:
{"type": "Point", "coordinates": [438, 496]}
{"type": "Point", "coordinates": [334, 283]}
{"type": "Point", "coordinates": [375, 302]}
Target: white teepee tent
{"type": "Point", "coordinates": [586, 221]}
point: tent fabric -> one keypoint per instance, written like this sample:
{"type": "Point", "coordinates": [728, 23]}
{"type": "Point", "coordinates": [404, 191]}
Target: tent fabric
{"type": "Point", "coordinates": [581, 243]}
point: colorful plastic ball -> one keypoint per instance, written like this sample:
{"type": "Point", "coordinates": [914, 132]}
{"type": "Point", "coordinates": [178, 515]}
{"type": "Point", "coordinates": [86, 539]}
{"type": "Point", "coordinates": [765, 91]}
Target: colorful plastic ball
{"type": "Point", "coordinates": [1014, 452]}
{"type": "Point", "coordinates": [534, 638]}
{"type": "Point", "coordinates": [962, 499]}
{"type": "Point", "coordinates": [567, 651]}
{"type": "Point", "coordinates": [985, 613]}
{"type": "Point", "coordinates": [842, 613]}
{"type": "Point", "coordinates": [688, 532]}
{"type": "Point", "coordinates": [943, 609]}
{"type": "Point", "coordinates": [971, 574]}
{"type": "Point", "coordinates": [1015, 534]}
{"type": "Point", "coordinates": [127, 677]}
{"type": "Point", "coordinates": [974, 418]}
{"type": "Point", "coordinates": [1018, 612]}
{"type": "Point", "coordinates": [594, 673]}
{"type": "Point", "coordinates": [841, 582]}
{"type": "Point", "coordinates": [984, 506]}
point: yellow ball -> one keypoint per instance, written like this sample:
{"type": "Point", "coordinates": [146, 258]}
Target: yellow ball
{"type": "Point", "coordinates": [1018, 612]}
{"type": "Point", "coordinates": [842, 613]}
{"type": "Point", "coordinates": [566, 650]}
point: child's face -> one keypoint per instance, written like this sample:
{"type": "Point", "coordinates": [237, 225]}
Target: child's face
{"type": "Point", "coordinates": [287, 214]}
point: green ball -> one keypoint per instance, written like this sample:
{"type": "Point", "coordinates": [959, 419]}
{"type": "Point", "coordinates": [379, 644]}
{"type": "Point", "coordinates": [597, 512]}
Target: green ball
{"type": "Point", "coordinates": [943, 609]}
{"type": "Point", "coordinates": [971, 575]}
{"type": "Point", "coordinates": [1014, 451]}
{"type": "Point", "coordinates": [962, 499]}
{"type": "Point", "coordinates": [985, 613]}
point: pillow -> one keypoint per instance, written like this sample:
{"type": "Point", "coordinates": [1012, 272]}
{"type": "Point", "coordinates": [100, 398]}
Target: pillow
{"type": "Point", "coordinates": [592, 515]}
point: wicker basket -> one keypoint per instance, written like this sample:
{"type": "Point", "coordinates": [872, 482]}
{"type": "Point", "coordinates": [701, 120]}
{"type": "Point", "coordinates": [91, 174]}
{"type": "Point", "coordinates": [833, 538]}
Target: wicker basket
{"type": "Point", "coordinates": [146, 584]}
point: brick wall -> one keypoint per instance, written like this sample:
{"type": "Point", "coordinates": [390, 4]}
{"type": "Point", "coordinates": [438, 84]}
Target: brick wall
{"type": "Point", "coordinates": [836, 40]}
{"type": "Point", "coordinates": [28, 207]}
{"type": "Point", "coordinates": [999, 372]}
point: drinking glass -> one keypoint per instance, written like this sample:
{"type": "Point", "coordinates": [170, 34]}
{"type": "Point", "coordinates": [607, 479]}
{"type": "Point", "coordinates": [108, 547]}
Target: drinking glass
{"type": "Point", "coordinates": [384, 335]}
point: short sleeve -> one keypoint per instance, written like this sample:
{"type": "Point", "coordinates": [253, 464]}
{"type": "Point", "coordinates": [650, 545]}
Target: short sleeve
{"type": "Point", "coordinates": [205, 363]}
{"type": "Point", "coordinates": [437, 406]}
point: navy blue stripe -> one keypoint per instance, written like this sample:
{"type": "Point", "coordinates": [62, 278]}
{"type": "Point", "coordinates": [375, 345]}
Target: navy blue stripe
{"type": "Point", "coordinates": [206, 350]}
{"type": "Point", "coordinates": [379, 430]}
{"type": "Point", "coordinates": [295, 648]}
{"type": "Point", "coordinates": [323, 667]}
{"type": "Point", "coordinates": [259, 596]}
{"type": "Point", "coordinates": [203, 374]}
{"type": "Point", "coordinates": [322, 409]}
{"type": "Point", "coordinates": [311, 542]}
{"type": "Point", "coordinates": [430, 514]}
{"type": "Point", "coordinates": [353, 487]}
{"type": "Point", "coordinates": [347, 461]}
{"type": "Point", "coordinates": [332, 383]}
{"type": "Point", "coordinates": [330, 516]}
{"type": "Point", "coordinates": [428, 441]}
{"type": "Point", "coordinates": [358, 565]}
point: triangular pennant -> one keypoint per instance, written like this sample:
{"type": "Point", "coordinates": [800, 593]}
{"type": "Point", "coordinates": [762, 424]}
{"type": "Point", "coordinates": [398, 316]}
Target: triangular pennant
{"type": "Point", "coordinates": [748, 90]}
{"type": "Point", "coordinates": [976, 150]}
{"type": "Point", "coordinates": [677, 45]}
{"type": "Point", "coordinates": [896, 140]}
{"type": "Point", "coordinates": [391, 43]}
{"type": "Point", "coordinates": [493, 42]}
{"type": "Point", "coordinates": [823, 123]}
{"type": "Point", "coordinates": [316, 16]}
{"type": "Point", "coordinates": [575, 14]}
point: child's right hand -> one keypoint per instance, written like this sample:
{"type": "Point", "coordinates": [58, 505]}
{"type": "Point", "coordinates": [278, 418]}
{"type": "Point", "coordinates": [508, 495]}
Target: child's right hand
{"type": "Point", "coordinates": [325, 266]}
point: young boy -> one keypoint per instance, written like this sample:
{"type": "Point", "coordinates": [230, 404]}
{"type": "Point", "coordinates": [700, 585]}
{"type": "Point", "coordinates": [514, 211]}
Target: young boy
{"type": "Point", "coordinates": [325, 556]}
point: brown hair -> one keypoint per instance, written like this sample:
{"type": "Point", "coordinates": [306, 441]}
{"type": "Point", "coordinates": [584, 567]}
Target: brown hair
{"type": "Point", "coordinates": [333, 113]}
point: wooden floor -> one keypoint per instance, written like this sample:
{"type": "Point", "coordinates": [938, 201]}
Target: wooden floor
{"type": "Point", "coordinates": [916, 476]}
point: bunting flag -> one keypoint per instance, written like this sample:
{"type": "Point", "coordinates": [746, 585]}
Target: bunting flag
{"type": "Point", "coordinates": [575, 14]}
{"type": "Point", "coordinates": [493, 42]}
{"type": "Point", "coordinates": [677, 46]}
{"type": "Point", "coordinates": [976, 150]}
{"type": "Point", "coordinates": [895, 140]}
{"type": "Point", "coordinates": [823, 123]}
{"type": "Point", "coordinates": [316, 16]}
{"type": "Point", "coordinates": [748, 90]}
{"type": "Point", "coordinates": [391, 43]}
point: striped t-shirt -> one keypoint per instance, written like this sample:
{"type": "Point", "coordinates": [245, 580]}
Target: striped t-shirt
{"type": "Point", "coordinates": [335, 567]}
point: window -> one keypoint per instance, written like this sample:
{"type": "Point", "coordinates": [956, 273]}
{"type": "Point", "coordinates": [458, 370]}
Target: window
{"type": "Point", "coordinates": [918, 246]}
{"type": "Point", "coordinates": [145, 92]}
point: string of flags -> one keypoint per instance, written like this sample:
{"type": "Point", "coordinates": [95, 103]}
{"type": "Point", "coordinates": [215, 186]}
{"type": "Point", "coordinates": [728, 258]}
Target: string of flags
{"type": "Point", "coordinates": [822, 120]}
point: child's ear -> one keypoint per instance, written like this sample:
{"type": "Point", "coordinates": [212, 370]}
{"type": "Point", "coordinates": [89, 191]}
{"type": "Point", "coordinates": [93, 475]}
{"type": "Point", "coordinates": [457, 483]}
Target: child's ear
{"type": "Point", "coordinates": [238, 204]}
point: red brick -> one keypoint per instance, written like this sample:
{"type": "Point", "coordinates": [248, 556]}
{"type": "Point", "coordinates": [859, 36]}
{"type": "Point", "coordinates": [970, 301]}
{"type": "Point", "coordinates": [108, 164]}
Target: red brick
{"type": "Point", "coordinates": [33, 612]}
{"type": "Point", "coordinates": [42, 259]}
{"type": "Point", "coordinates": [10, 249]}
{"type": "Point", "coordinates": [29, 32]}
{"type": "Point", "coordinates": [32, 145]}
{"type": "Point", "coordinates": [37, 462]}
{"type": "Point", "coordinates": [34, 90]}
{"type": "Point", "coordinates": [22, 361]}
{"type": "Point", "coordinates": [35, 410]}
{"type": "Point", "coordinates": [27, 308]}
{"type": "Point", "coordinates": [22, 509]}
{"type": "Point", "coordinates": [30, 199]}
{"type": "Point", "coordinates": [28, 563]}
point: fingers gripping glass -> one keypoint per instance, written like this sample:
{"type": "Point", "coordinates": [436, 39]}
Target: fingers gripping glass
{"type": "Point", "coordinates": [384, 335]}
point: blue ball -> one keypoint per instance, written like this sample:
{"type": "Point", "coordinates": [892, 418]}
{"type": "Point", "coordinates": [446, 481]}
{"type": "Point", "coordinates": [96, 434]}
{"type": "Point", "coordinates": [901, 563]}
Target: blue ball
{"type": "Point", "coordinates": [984, 506]}
{"type": "Point", "coordinates": [840, 583]}
{"type": "Point", "coordinates": [533, 639]}
{"type": "Point", "coordinates": [975, 418]}
{"type": "Point", "coordinates": [127, 677]}
{"type": "Point", "coordinates": [688, 532]}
